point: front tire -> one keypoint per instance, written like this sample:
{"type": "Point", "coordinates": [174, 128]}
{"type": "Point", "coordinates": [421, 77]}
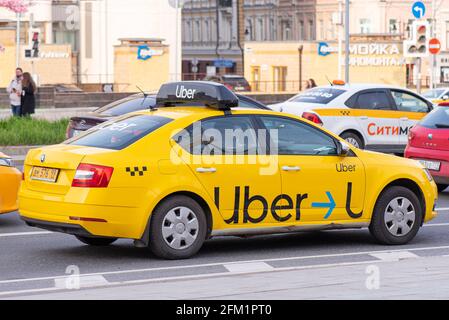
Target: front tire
{"type": "Point", "coordinates": [96, 242]}
{"type": "Point", "coordinates": [353, 139]}
{"type": "Point", "coordinates": [397, 216]}
{"type": "Point", "coordinates": [178, 228]}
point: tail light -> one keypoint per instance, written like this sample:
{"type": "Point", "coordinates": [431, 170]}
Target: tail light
{"type": "Point", "coordinates": [411, 135]}
{"type": "Point", "coordinates": [92, 176]}
{"type": "Point", "coordinates": [312, 117]}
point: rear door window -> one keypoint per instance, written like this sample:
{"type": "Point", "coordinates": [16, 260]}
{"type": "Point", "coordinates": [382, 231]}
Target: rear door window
{"type": "Point", "coordinates": [318, 95]}
{"type": "Point", "coordinates": [374, 100]}
{"type": "Point", "coordinates": [120, 134]}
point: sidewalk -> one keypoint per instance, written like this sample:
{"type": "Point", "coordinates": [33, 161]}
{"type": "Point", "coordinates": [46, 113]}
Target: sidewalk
{"type": "Point", "coordinates": [51, 114]}
{"type": "Point", "coordinates": [413, 278]}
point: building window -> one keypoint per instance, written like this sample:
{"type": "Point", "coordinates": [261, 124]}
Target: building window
{"type": "Point", "coordinates": [286, 30]}
{"type": "Point", "coordinates": [249, 30]}
{"type": "Point", "coordinates": [206, 31]}
{"type": "Point", "coordinates": [393, 26]}
{"type": "Point", "coordinates": [259, 30]}
{"type": "Point", "coordinates": [272, 30]}
{"type": "Point", "coordinates": [311, 30]}
{"type": "Point", "coordinates": [280, 78]}
{"type": "Point", "coordinates": [322, 34]}
{"type": "Point", "coordinates": [365, 26]}
{"type": "Point", "coordinates": [197, 31]}
{"type": "Point", "coordinates": [301, 30]}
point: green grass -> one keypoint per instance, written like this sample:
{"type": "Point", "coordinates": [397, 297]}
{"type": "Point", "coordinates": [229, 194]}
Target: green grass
{"type": "Point", "coordinates": [31, 132]}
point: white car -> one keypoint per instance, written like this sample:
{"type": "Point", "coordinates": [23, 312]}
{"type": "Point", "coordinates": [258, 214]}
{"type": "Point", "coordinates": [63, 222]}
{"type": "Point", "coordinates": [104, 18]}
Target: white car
{"type": "Point", "coordinates": [369, 116]}
{"type": "Point", "coordinates": [438, 95]}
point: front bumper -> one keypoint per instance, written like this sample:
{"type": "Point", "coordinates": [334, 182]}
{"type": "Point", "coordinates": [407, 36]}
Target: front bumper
{"type": "Point", "coordinates": [441, 176]}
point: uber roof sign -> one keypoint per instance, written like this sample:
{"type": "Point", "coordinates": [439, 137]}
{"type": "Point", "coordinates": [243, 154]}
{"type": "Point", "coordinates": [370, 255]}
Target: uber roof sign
{"type": "Point", "coordinates": [196, 93]}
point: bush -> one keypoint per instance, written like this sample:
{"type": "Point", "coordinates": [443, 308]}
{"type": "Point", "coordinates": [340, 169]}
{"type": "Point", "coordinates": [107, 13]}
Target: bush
{"type": "Point", "coordinates": [27, 131]}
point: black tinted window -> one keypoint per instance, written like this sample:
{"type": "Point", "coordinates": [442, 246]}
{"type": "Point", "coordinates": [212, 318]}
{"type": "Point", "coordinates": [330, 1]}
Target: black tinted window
{"type": "Point", "coordinates": [127, 105]}
{"type": "Point", "coordinates": [250, 104]}
{"type": "Point", "coordinates": [438, 118]}
{"type": "Point", "coordinates": [318, 95]}
{"type": "Point", "coordinates": [231, 135]}
{"type": "Point", "coordinates": [408, 102]}
{"type": "Point", "coordinates": [120, 134]}
{"type": "Point", "coordinates": [297, 138]}
{"type": "Point", "coordinates": [373, 100]}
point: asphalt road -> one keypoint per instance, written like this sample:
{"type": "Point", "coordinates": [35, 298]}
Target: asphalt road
{"type": "Point", "coordinates": [34, 262]}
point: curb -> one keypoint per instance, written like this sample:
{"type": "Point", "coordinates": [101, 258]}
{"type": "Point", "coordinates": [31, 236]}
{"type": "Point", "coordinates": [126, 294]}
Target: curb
{"type": "Point", "coordinates": [17, 151]}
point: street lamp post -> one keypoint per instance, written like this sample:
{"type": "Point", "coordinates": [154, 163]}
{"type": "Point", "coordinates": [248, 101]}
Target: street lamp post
{"type": "Point", "coordinates": [18, 40]}
{"type": "Point", "coordinates": [347, 40]}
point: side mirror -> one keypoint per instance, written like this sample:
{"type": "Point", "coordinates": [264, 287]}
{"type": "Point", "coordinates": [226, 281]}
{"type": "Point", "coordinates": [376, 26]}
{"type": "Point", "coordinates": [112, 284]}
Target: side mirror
{"type": "Point", "coordinates": [343, 149]}
{"type": "Point", "coordinates": [445, 97]}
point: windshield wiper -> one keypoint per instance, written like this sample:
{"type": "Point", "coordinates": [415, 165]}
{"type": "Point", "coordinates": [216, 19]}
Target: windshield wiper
{"type": "Point", "coordinates": [441, 125]}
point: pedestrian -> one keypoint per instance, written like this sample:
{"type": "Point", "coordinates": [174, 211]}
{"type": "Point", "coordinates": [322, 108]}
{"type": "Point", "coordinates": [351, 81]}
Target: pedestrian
{"type": "Point", "coordinates": [15, 92]}
{"type": "Point", "coordinates": [310, 84]}
{"type": "Point", "coordinates": [28, 95]}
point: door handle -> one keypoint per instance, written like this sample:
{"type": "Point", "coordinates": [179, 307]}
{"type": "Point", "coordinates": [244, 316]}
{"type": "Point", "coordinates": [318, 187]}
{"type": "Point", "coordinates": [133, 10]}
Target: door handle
{"type": "Point", "coordinates": [289, 168]}
{"type": "Point", "coordinates": [363, 118]}
{"type": "Point", "coordinates": [206, 170]}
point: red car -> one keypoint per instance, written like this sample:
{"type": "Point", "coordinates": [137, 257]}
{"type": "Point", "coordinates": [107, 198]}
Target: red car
{"type": "Point", "coordinates": [429, 143]}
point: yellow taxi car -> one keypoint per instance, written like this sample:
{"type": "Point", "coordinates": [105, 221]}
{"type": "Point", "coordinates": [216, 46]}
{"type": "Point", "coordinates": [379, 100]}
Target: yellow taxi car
{"type": "Point", "coordinates": [196, 167]}
{"type": "Point", "coordinates": [10, 179]}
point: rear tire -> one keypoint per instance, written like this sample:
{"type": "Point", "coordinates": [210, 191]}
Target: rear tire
{"type": "Point", "coordinates": [178, 228]}
{"type": "Point", "coordinates": [442, 187]}
{"type": "Point", "coordinates": [397, 216]}
{"type": "Point", "coordinates": [353, 139]}
{"type": "Point", "coordinates": [96, 241]}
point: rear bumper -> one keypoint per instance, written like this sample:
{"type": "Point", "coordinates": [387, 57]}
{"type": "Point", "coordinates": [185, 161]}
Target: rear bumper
{"type": "Point", "coordinates": [441, 176]}
{"type": "Point", "coordinates": [62, 212]}
{"type": "Point", "coordinates": [73, 229]}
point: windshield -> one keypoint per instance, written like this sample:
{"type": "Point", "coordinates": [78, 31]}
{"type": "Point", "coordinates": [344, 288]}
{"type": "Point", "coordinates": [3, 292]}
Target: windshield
{"type": "Point", "coordinates": [127, 105]}
{"type": "Point", "coordinates": [437, 119]}
{"type": "Point", "coordinates": [118, 135]}
{"type": "Point", "coordinates": [318, 95]}
{"type": "Point", "coordinates": [433, 94]}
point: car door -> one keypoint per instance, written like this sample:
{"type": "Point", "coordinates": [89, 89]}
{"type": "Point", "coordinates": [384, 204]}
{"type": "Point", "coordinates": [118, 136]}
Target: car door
{"type": "Point", "coordinates": [378, 119]}
{"type": "Point", "coordinates": [318, 185]}
{"type": "Point", "coordinates": [224, 156]}
{"type": "Point", "coordinates": [411, 109]}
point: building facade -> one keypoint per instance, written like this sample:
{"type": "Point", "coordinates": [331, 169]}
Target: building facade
{"type": "Point", "coordinates": [92, 29]}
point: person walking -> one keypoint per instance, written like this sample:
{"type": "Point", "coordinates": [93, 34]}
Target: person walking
{"type": "Point", "coordinates": [28, 100]}
{"type": "Point", "coordinates": [15, 92]}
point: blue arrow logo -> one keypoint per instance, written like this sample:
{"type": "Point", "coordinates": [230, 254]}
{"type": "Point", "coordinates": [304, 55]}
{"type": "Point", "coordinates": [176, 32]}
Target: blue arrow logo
{"type": "Point", "coordinates": [331, 205]}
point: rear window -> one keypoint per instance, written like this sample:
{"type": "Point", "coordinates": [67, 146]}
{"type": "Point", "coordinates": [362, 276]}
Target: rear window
{"type": "Point", "coordinates": [120, 134]}
{"type": "Point", "coordinates": [318, 95]}
{"type": "Point", "coordinates": [241, 80]}
{"type": "Point", "coordinates": [437, 119]}
{"type": "Point", "coordinates": [127, 105]}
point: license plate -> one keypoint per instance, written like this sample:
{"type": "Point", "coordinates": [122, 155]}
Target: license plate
{"type": "Point", "coordinates": [431, 165]}
{"type": "Point", "coordinates": [240, 88]}
{"type": "Point", "coordinates": [44, 174]}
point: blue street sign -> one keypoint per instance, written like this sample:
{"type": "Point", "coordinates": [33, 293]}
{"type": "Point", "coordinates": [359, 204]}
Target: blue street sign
{"type": "Point", "coordinates": [419, 9]}
{"type": "Point", "coordinates": [222, 63]}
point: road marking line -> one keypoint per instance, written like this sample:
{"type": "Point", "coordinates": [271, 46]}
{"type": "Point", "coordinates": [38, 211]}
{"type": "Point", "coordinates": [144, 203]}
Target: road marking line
{"type": "Point", "coordinates": [227, 263]}
{"type": "Point", "coordinates": [19, 234]}
{"type": "Point", "coordinates": [80, 281]}
{"type": "Point", "coordinates": [196, 277]}
{"type": "Point", "coordinates": [394, 256]}
{"type": "Point", "coordinates": [248, 267]}
{"type": "Point", "coordinates": [436, 225]}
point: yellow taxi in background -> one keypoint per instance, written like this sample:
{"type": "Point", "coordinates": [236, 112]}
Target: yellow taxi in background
{"type": "Point", "coordinates": [10, 179]}
{"type": "Point", "coordinates": [196, 167]}
{"type": "Point", "coordinates": [438, 95]}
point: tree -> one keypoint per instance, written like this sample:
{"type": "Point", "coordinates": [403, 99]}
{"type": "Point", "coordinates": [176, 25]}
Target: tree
{"type": "Point", "coordinates": [17, 6]}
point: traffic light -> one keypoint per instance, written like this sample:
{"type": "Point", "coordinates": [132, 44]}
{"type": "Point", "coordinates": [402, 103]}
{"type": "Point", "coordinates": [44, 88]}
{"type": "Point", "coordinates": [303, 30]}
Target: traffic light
{"type": "Point", "coordinates": [32, 52]}
{"type": "Point", "coordinates": [35, 44]}
{"type": "Point", "coordinates": [418, 45]}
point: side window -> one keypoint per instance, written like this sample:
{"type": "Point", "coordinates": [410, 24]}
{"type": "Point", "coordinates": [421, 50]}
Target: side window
{"type": "Point", "coordinates": [373, 100]}
{"type": "Point", "coordinates": [293, 137]}
{"type": "Point", "coordinates": [408, 102]}
{"type": "Point", "coordinates": [227, 135]}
